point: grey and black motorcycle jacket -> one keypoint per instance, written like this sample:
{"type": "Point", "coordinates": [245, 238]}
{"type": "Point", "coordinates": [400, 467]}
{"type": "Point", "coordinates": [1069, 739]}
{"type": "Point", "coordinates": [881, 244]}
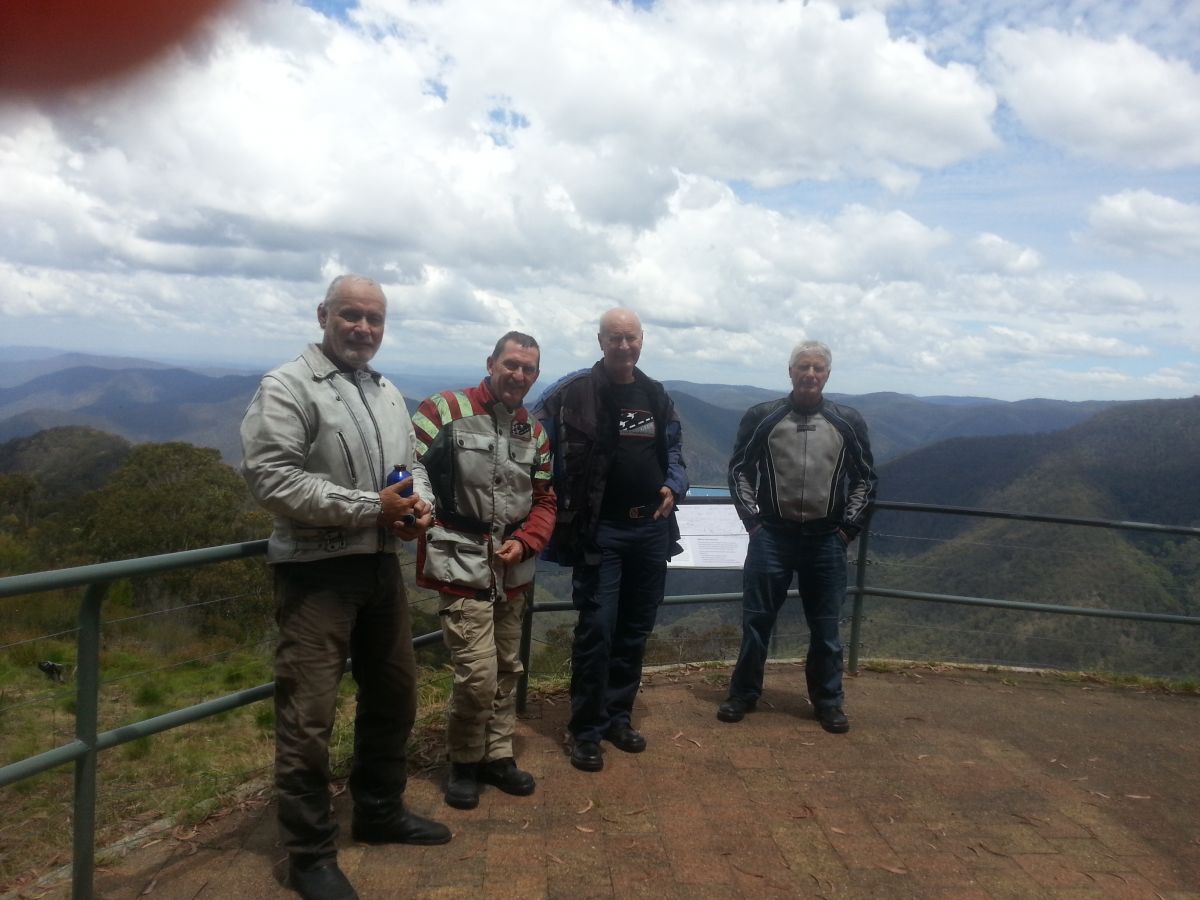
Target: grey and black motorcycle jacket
{"type": "Point", "coordinates": [807, 467]}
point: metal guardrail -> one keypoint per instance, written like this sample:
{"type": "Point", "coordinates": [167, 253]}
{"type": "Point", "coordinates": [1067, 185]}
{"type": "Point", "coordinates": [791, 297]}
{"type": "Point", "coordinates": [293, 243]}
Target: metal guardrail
{"type": "Point", "coordinates": [860, 589]}
{"type": "Point", "coordinates": [89, 742]}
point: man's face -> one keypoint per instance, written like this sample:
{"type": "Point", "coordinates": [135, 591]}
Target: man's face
{"type": "Point", "coordinates": [353, 323]}
{"type": "Point", "coordinates": [621, 343]}
{"type": "Point", "coordinates": [809, 374]}
{"type": "Point", "coordinates": [513, 373]}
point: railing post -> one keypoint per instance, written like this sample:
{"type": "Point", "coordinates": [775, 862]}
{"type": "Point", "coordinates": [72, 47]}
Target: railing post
{"type": "Point", "coordinates": [860, 582]}
{"type": "Point", "coordinates": [524, 652]}
{"type": "Point", "coordinates": [87, 720]}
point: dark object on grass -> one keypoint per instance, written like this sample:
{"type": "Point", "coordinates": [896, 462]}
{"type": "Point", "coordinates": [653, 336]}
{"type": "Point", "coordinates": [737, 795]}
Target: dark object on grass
{"type": "Point", "coordinates": [54, 671]}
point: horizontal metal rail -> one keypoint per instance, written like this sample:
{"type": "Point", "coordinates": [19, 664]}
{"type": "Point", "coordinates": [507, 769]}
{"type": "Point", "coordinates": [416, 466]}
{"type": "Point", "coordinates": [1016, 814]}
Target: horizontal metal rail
{"type": "Point", "coordinates": [100, 573]}
{"type": "Point", "coordinates": [89, 741]}
{"type": "Point", "coordinates": [861, 589]}
{"type": "Point", "coordinates": [106, 740]}
{"type": "Point", "coordinates": [1036, 517]}
{"type": "Point", "coordinates": [1030, 606]}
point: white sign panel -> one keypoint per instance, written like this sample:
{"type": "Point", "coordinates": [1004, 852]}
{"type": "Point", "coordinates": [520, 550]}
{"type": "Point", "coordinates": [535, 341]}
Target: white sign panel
{"type": "Point", "coordinates": [712, 537]}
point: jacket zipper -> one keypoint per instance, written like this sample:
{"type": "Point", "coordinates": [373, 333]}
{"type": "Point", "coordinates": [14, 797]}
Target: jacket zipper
{"type": "Point", "coordinates": [349, 460]}
{"type": "Point", "coordinates": [379, 446]}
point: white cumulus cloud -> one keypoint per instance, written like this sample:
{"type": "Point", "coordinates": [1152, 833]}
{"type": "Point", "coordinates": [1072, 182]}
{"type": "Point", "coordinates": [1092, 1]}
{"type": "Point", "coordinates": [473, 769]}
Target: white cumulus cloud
{"type": "Point", "coordinates": [1144, 222]}
{"type": "Point", "coordinates": [1113, 100]}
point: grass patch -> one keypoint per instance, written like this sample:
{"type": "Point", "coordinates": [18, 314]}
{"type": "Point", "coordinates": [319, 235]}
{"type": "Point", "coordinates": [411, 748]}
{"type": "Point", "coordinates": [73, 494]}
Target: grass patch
{"type": "Point", "coordinates": [137, 749]}
{"type": "Point", "coordinates": [183, 773]}
{"type": "Point", "coordinates": [149, 694]}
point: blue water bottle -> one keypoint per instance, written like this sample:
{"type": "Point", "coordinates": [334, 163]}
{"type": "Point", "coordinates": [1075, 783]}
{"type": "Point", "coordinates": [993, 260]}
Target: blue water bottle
{"type": "Point", "coordinates": [399, 473]}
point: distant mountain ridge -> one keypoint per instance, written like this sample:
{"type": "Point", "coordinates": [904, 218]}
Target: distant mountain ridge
{"type": "Point", "coordinates": [152, 402]}
{"type": "Point", "coordinates": [897, 423]}
{"type": "Point", "coordinates": [1135, 462]}
{"type": "Point", "coordinates": [19, 365]}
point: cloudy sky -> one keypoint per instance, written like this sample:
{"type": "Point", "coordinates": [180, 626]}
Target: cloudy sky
{"type": "Point", "coordinates": [985, 197]}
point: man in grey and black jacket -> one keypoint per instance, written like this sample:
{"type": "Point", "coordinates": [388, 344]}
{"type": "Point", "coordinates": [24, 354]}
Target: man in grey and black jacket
{"type": "Point", "coordinates": [802, 480]}
{"type": "Point", "coordinates": [318, 440]}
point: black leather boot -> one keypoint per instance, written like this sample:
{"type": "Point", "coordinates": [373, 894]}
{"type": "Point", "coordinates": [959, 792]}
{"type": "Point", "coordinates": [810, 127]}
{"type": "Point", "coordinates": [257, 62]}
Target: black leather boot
{"type": "Point", "coordinates": [319, 879]}
{"type": "Point", "coordinates": [504, 774]}
{"type": "Point", "coordinates": [462, 785]}
{"type": "Point", "coordinates": [397, 826]}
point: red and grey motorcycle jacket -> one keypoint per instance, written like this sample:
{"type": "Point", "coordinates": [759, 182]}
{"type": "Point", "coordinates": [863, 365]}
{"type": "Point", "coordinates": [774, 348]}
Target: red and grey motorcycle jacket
{"type": "Point", "coordinates": [489, 468]}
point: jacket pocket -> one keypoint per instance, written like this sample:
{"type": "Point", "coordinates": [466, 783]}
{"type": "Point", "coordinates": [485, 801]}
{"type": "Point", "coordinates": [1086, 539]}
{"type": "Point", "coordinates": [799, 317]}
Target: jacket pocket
{"type": "Point", "coordinates": [523, 453]}
{"type": "Point", "coordinates": [454, 557]}
{"type": "Point", "coordinates": [520, 574]}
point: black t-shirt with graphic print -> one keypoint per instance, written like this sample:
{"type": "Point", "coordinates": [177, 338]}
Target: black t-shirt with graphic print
{"type": "Point", "coordinates": [635, 476]}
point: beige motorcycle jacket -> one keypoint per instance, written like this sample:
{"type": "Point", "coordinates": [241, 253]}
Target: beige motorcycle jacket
{"type": "Point", "coordinates": [317, 444]}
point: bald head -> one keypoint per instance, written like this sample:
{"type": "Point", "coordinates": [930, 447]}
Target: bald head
{"type": "Point", "coordinates": [620, 339]}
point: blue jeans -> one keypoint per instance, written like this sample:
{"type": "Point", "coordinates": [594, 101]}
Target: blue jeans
{"type": "Point", "coordinates": [618, 601]}
{"type": "Point", "coordinates": [819, 561]}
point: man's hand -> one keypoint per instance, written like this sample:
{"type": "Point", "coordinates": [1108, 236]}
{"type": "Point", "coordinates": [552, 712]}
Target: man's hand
{"type": "Point", "coordinates": [666, 505]}
{"type": "Point", "coordinates": [393, 509]}
{"type": "Point", "coordinates": [422, 519]}
{"type": "Point", "coordinates": [511, 552]}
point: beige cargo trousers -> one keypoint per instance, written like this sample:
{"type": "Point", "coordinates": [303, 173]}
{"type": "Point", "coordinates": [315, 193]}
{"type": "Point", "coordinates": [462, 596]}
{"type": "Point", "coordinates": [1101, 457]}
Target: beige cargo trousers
{"type": "Point", "coordinates": [484, 638]}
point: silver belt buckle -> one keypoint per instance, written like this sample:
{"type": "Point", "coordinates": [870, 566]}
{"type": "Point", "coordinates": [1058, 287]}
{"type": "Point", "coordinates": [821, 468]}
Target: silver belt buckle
{"type": "Point", "coordinates": [635, 512]}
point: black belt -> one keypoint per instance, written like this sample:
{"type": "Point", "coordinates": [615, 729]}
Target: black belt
{"type": "Point", "coordinates": [466, 523]}
{"type": "Point", "coordinates": [633, 513]}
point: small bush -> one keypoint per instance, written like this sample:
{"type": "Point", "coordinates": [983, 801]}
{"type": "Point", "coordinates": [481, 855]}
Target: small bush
{"type": "Point", "coordinates": [148, 694]}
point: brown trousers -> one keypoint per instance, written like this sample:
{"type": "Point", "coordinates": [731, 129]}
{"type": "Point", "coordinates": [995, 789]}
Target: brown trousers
{"type": "Point", "coordinates": [328, 610]}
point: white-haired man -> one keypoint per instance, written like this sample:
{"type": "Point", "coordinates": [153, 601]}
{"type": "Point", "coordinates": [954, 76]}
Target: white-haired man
{"type": "Point", "coordinates": [802, 480]}
{"type": "Point", "coordinates": [318, 441]}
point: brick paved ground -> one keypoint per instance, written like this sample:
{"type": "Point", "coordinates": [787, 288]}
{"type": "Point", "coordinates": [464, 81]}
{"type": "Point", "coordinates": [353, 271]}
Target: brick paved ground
{"type": "Point", "coordinates": [951, 783]}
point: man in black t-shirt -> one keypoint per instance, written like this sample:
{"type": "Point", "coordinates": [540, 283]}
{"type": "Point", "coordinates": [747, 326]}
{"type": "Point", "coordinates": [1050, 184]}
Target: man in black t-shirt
{"type": "Point", "coordinates": [618, 473]}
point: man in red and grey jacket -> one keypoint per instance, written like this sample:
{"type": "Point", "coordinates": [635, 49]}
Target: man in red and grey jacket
{"type": "Point", "coordinates": [488, 462]}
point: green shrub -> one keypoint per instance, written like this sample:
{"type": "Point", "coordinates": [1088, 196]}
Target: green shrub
{"type": "Point", "coordinates": [150, 693]}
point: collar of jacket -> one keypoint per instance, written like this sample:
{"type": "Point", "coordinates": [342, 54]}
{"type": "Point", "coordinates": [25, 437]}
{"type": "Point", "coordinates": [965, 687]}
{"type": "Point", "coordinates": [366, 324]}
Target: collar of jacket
{"type": "Point", "coordinates": [489, 396]}
{"type": "Point", "coordinates": [603, 381]}
{"type": "Point", "coordinates": [323, 367]}
{"type": "Point", "coordinates": [806, 410]}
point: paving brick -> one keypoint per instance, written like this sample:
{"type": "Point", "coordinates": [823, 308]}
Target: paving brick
{"type": "Point", "coordinates": [945, 787]}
